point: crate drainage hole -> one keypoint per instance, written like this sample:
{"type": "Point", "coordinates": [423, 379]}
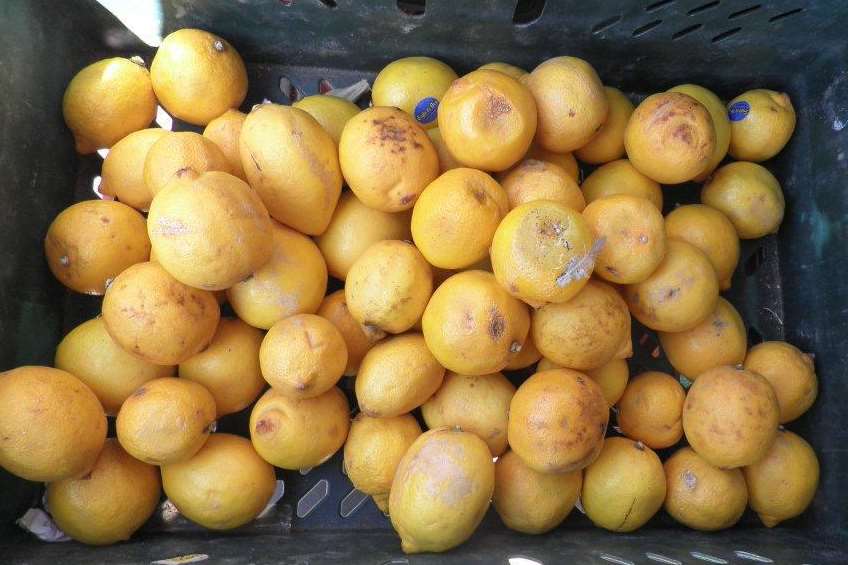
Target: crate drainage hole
{"type": "Point", "coordinates": [615, 559]}
{"type": "Point", "coordinates": [752, 556]}
{"type": "Point", "coordinates": [313, 497]}
{"type": "Point", "coordinates": [657, 5]}
{"type": "Point", "coordinates": [351, 503]}
{"type": "Point", "coordinates": [704, 556]}
{"type": "Point", "coordinates": [686, 31]}
{"type": "Point", "coordinates": [785, 15]}
{"type": "Point", "coordinates": [703, 8]}
{"type": "Point", "coordinates": [521, 560]}
{"type": "Point", "coordinates": [605, 24]}
{"type": "Point", "coordinates": [412, 7]}
{"type": "Point", "coordinates": [726, 34]}
{"type": "Point", "coordinates": [757, 258]}
{"type": "Point", "coordinates": [744, 12]}
{"type": "Point", "coordinates": [662, 559]}
{"type": "Point", "coordinates": [646, 28]}
{"type": "Point", "coordinates": [527, 11]}
{"type": "Point", "coordinates": [328, 3]}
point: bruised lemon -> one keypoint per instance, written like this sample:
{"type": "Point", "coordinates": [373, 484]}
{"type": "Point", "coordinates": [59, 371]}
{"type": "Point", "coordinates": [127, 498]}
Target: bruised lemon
{"type": "Point", "coordinates": [358, 338]}
{"type": "Point", "coordinates": [761, 123]}
{"type": "Point", "coordinates": [456, 216]}
{"type": "Point", "coordinates": [415, 85]}
{"type": "Point", "coordinates": [389, 286]}
{"type": "Point", "coordinates": [679, 294]}
{"type": "Point", "coordinates": [92, 242]}
{"type": "Point", "coordinates": [543, 252]}
{"type": "Point", "coordinates": [621, 177]}
{"type": "Point", "coordinates": [387, 159]}
{"type": "Point", "coordinates": [790, 372]}
{"type": "Point", "coordinates": [651, 408]}
{"type": "Point", "coordinates": [473, 326]}
{"type": "Point", "coordinates": [710, 231]}
{"type": "Point", "coordinates": [670, 138]}
{"type": "Point", "coordinates": [487, 120]}
{"type": "Point", "coordinates": [123, 168]}
{"type": "Point", "coordinates": [292, 282]}
{"type": "Point", "coordinates": [303, 356]}
{"type": "Point", "coordinates": [720, 339]}
{"type": "Point", "coordinates": [353, 228]}
{"type": "Point", "coordinates": [225, 131]}
{"type": "Point", "coordinates": [557, 421]}
{"type": "Point", "coordinates": [331, 112]}
{"type": "Point", "coordinates": [210, 230]}
{"type": "Point", "coordinates": [293, 164]}
{"type": "Point", "coordinates": [718, 113]}
{"type": "Point", "coordinates": [749, 195]}
{"type": "Point", "coordinates": [177, 152]}
{"type": "Point", "coordinates": [145, 296]}
{"type": "Point", "coordinates": [229, 367]}
{"type": "Point", "coordinates": [89, 353]}
{"type": "Point", "coordinates": [571, 103]}
{"type": "Point", "coordinates": [299, 433]}
{"type": "Point", "coordinates": [110, 503]}
{"type": "Point", "coordinates": [533, 180]}
{"type": "Point", "coordinates": [198, 76]}
{"type": "Point", "coordinates": [585, 332]}
{"type": "Point", "coordinates": [634, 234]}
{"type": "Point", "coordinates": [608, 144]}
{"type": "Point", "coordinates": [106, 101]}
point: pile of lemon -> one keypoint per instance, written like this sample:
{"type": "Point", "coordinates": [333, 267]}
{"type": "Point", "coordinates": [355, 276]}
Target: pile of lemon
{"type": "Point", "coordinates": [468, 246]}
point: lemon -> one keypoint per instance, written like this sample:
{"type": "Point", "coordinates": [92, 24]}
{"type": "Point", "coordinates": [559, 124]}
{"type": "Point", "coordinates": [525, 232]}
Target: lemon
{"type": "Point", "coordinates": [564, 160]}
{"type": "Point", "coordinates": [710, 231]}
{"type": "Point", "coordinates": [621, 177]}
{"type": "Point", "coordinates": [176, 153]}
{"type": "Point", "coordinates": [122, 175]}
{"type": "Point", "coordinates": [651, 408]}
{"type": "Point", "coordinates": [761, 123]}
{"type": "Point", "coordinates": [608, 144]}
{"type": "Point", "coordinates": [511, 70]}
{"type": "Point", "coordinates": [106, 101]}
{"type": "Point", "coordinates": [532, 179]}
{"type": "Point", "coordinates": [358, 338]}
{"type": "Point", "coordinates": [198, 76]}
{"type": "Point", "coordinates": [749, 195]}
{"type": "Point", "coordinates": [612, 377]}
{"type": "Point", "coordinates": [415, 85]}
{"type": "Point", "coordinates": [791, 374]}
{"type": "Point", "coordinates": [446, 159]}
{"type": "Point", "coordinates": [225, 131]}
{"type": "Point", "coordinates": [718, 113]}
{"type": "Point", "coordinates": [331, 112]}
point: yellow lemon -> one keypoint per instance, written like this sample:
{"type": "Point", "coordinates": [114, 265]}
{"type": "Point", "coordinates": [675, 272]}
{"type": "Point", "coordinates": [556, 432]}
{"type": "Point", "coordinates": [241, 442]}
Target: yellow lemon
{"type": "Point", "coordinates": [761, 123]}
{"type": "Point", "coordinates": [176, 153]}
{"type": "Point", "coordinates": [718, 113]}
{"type": "Point", "coordinates": [225, 131]}
{"type": "Point", "coordinates": [710, 231]}
{"type": "Point", "coordinates": [621, 177]}
{"type": "Point", "coordinates": [122, 175]}
{"type": "Point", "coordinates": [608, 144]}
{"type": "Point", "coordinates": [532, 179]}
{"type": "Point", "coordinates": [791, 374]}
{"type": "Point", "coordinates": [415, 85]}
{"type": "Point", "coordinates": [331, 112]}
{"type": "Point", "coordinates": [651, 408]}
{"type": "Point", "coordinates": [749, 195]}
{"type": "Point", "coordinates": [358, 338]}
{"type": "Point", "coordinates": [511, 70]}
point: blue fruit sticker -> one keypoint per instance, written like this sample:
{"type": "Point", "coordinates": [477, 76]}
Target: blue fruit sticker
{"type": "Point", "coordinates": [738, 111]}
{"type": "Point", "coordinates": [426, 110]}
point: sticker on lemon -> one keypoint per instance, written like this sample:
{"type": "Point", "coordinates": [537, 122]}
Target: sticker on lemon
{"type": "Point", "coordinates": [415, 85]}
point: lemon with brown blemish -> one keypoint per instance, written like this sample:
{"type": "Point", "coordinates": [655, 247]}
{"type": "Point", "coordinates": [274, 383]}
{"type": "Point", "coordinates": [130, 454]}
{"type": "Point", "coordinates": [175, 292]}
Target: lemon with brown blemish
{"type": "Point", "coordinates": [122, 174]}
{"type": "Point", "coordinates": [621, 177]}
{"type": "Point", "coordinates": [456, 216]}
{"type": "Point", "coordinates": [166, 420]}
{"type": "Point", "coordinates": [89, 353]}
{"type": "Point", "coordinates": [532, 179]}
{"type": "Point", "coordinates": [670, 138]}
{"type": "Point", "coordinates": [58, 409]}
{"type": "Point", "coordinates": [761, 123]}
{"type": "Point", "coordinates": [387, 159]}
{"type": "Point", "coordinates": [586, 332]}
{"type": "Point", "coordinates": [177, 152]}
{"type": "Point", "coordinates": [225, 131]}
{"type": "Point", "coordinates": [783, 483]}
{"type": "Point", "coordinates": [223, 486]}
{"type": "Point", "coordinates": [373, 451]}
{"type": "Point", "coordinates": [510, 70]}
{"type": "Point", "coordinates": [710, 231]}
{"type": "Point", "coordinates": [532, 502]}
{"type": "Point", "coordinates": [354, 228]}
{"type": "Point", "coordinates": [332, 112]}
{"type": "Point", "coordinates": [680, 294]}
{"type": "Point", "coordinates": [91, 242]}
{"type": "Point", "coordinates": [358, 338]}
{"type": "Point", "coordinates": [197, 76]}
{"type": "Point", "coordinates": [110, 503]}
{"type": "Point", "coordinates": [651, 408]}
{"type": "Point", "coordinates": [293, 164]}
{"type": "Point", "coordinates": [527, 355]}
{"type": "Point", "coordinates": [473, 326]}
{"type": "Point", "coordinates": [718, 114]}
{"type": "Point", "coordinates": [624, 487]}
{"type": "Point", "coordinates": [635, 236]}
{"type": "Point", "coordinates": [415, 85]}
{"type": "Point", "coordinates": [488, 120]}
{"type": "Point", "coordinates": [612, 377]}
{"type": "Point", "coordinates": [303, 356]}
{"type": "Point", "coordinates": [396, 376]}
{"type": "Point", "coordinates": [749, 195]}
{"type": "Point", "coordinates": [299, 433]}
{"type": "Point", "coordinates": [720, 339]}
{"type": "Point", "coordinates": [108, 100]}
{"type": "Point", "coordinates": [791, 373]}
{"type": "Point", "coordinates": [474, 403]}
{"type": "Point", "coordinates": [389, 286]}
{"type": "Point", "coordinates": [702, 496]}
{"type": "Point", "coordinates": [229, 367]}
{"type": "Point", "coordinates": [608, 144]}
{"type": "Point", "coordinates": [145, 296]}
{"type": "Point", "coordinates": [557, 421]}
{"type": "Point", "coordinates": [292, 282]}
{"type": "Point", "coordinates": [564, 160]}
{"type": "Point", "coordinates": [730, 416]}
{"type": "Point", "coordinates": [210, 230]}
{"type": "Point", "coordinates": [441, 490]}
{"type": "Point", "coordinates": [571, 103]}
